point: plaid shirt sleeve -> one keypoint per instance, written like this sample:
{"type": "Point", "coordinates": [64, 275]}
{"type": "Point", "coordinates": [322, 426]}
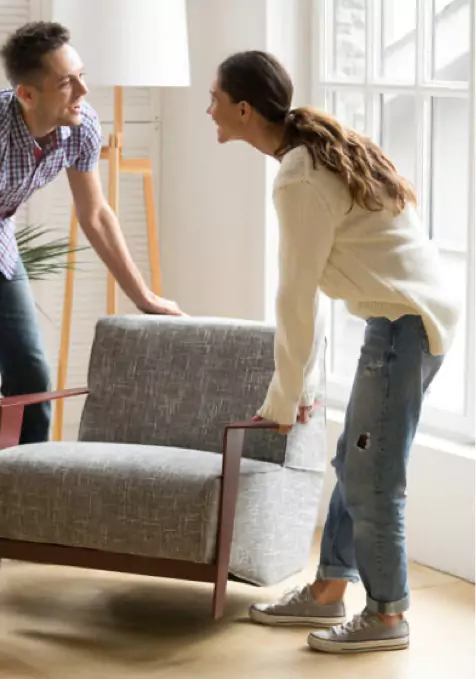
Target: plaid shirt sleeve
{"type": "Point", "coordinates": [91, 141]}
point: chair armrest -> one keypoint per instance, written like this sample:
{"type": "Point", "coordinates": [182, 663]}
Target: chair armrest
{"type": "Point", "coordinates": [263, 424]}
{"type": "Point", "coordinates": [233, 439]}
{"type": "Point", "coordinates": [252, 424]}
{"type": "Point", "coordinates": [32, 399]}
{"type": "Point", "coordinates": [12, 408]}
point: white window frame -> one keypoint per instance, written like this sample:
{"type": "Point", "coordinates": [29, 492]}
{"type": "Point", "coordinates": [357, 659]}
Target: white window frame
{"type": "Point", "coordinates": [458, 427]}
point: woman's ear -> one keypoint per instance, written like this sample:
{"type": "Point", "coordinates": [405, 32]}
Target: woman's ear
{"type": "Point", "coordinates": [245, 111]}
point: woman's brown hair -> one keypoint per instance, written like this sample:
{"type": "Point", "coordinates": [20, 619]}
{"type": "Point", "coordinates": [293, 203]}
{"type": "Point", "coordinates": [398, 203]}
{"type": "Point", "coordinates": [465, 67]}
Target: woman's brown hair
{"type": "Point", "coordinates": [259, 79]}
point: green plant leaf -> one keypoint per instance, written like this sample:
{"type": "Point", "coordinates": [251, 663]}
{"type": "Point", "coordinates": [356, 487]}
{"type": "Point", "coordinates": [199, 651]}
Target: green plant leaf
{"type": "Point", "coordinates": [43, 258]}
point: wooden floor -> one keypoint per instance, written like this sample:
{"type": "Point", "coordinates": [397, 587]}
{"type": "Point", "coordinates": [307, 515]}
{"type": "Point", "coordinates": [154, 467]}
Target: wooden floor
{"type": "Point", "coordinates": [58, 623]}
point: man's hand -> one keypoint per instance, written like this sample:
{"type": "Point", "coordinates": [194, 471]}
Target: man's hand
{"type": "Point", "coordinates": [102, 229]}
{"type": "Point", "coordinates": [160, 306]}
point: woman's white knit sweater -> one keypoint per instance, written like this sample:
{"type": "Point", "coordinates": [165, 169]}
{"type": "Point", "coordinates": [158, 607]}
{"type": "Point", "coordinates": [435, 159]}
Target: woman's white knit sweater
{"type": "Point", "coordinates": [381, 264]}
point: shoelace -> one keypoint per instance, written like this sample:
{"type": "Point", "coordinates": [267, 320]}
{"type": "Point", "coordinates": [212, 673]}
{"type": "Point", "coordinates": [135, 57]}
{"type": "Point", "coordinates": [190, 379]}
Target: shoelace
{"type": "Point", "coordinates": [358, 622]}
{"type": "Point", "coordinates": [295, 594]}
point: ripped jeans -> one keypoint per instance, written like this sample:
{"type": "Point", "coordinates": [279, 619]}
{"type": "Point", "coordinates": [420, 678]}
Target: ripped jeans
{"type": "Point", "coordinates": [364, 535]}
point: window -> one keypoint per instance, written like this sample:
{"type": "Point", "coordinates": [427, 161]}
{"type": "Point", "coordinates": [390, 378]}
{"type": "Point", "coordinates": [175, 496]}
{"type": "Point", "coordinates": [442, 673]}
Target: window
{"type": "Point", "coordinates": [403, 72]}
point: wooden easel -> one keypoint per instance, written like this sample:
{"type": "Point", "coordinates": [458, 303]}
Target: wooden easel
{"type": "Point", "coordinates": [117, 165]}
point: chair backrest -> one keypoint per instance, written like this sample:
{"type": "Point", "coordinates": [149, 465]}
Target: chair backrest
{"type": "Point", "coordinates": [178, 382]}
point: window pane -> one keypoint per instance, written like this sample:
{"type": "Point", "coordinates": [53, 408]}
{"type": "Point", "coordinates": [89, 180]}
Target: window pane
{"type": "Point", "coordinates": [347, 331]}
{"type": "Point", "coordinates": [398, 124]}
{"type": "Point", "coordinates": [450, 172]}
{"type": "Point", "coordinates": [447, 391]}
{"type": "Point", "coordinates": [347, 335]}
{"type": "Point", "coordinates": [451, 22]}
{"type": "Point", "coordinates": [349, 109]}
{"type": "Point", "coordinates": [348, 58]}
{"type": "Point", "coordinates": [398, 31]}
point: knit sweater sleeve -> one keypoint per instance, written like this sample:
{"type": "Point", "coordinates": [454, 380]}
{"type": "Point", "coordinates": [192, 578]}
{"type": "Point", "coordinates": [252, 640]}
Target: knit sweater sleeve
{"type": "Point", "coordinates": [306, 236]}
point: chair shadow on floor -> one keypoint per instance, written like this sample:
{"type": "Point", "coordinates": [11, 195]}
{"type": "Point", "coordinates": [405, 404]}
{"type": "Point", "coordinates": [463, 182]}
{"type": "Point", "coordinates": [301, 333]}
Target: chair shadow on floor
{"type": "Point", "coordinates": [126, 618]}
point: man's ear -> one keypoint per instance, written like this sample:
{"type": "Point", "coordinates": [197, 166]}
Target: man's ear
{"type": "Point", "coordinates": [26, 94]}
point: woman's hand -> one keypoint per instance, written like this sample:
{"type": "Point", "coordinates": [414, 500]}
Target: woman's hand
{"type": "Point", "coordinates": [282, 428]}
{"type": "Point", "coordinates": [304, 414]}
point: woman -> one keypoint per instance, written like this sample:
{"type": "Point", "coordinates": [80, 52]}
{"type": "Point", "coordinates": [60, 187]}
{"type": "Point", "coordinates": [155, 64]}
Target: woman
{"type": "Point", "coordinates": [349, 227]}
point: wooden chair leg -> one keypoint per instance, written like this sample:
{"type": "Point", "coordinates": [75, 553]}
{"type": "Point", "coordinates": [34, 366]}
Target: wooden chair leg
{"type": "Point", "coordinates": [232, 449]}
{"type": "Point", "coordinates": [219, 597]}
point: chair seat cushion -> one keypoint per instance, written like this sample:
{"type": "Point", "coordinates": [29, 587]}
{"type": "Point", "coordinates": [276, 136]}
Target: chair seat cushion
{"type": "Point", "coordinates": [136, 499]}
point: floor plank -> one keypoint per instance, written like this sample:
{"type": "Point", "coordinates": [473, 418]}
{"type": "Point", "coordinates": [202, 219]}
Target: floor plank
{"type": "Point", "coordinates": [60, 623]}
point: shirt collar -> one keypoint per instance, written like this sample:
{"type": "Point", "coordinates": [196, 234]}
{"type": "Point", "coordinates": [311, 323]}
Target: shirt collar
{"type": "Point", "coordinates": [21, 135]}
{"type": "Point", "coordinates": [62, 134]}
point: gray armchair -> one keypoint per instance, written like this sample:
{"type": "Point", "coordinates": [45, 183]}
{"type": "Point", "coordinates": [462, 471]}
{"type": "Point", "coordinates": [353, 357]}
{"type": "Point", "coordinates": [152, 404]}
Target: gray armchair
{"type": "Point", "coordinates": [166, 478]}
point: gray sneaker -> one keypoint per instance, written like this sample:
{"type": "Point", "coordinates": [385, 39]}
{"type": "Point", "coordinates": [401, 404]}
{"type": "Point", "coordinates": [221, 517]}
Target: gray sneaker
{"type": "Point", "coordinates": [298, 607]}
{"type": "Point", "coordinates": [365, 632]}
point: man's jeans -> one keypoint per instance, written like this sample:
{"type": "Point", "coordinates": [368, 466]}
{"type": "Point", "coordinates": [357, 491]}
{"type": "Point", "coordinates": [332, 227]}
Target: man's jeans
{"type": "Point", "coordinates": [23, 366]}
{"type": "Point", "coordinates": [364, 533]}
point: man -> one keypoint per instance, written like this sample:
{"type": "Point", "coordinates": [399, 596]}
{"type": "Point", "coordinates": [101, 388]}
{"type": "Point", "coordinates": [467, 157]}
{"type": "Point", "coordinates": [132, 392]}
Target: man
{"type": "Point", "coordinates": [45, 126]}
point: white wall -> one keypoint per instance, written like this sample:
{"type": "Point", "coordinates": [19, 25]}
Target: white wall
{"type": "Point", "coordinates": [212, 197]}
{"type": "Point", "coordinates": [288, 36]}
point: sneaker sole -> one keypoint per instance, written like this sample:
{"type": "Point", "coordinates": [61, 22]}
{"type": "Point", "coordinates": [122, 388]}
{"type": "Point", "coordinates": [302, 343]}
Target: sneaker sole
{"type": "Point", "coordinates": [293, 621]}
{"type": "Point", "coordinates": [358, 647]}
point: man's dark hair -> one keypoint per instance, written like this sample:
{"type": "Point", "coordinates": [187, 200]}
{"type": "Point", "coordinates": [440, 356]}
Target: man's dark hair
{"type": "Point", "coordinates": [22, 54]}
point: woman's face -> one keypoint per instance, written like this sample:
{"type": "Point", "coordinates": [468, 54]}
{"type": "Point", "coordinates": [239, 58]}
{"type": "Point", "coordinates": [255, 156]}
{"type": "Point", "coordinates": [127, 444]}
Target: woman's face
{"type": "Point", "coordinates": [229, 117]}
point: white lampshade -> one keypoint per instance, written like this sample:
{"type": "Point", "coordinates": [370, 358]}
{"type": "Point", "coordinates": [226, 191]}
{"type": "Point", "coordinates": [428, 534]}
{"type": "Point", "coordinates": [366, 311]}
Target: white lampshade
{"type": "Point", "coordinates": [129, 42]}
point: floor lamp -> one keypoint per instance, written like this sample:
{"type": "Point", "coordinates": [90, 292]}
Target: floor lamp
{"type": "Point", "coordinates": [122, 43]}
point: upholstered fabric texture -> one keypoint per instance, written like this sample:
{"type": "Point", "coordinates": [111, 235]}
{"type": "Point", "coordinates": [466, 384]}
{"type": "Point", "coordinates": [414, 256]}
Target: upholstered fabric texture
{"type": "Point", "coordinates": [116, 497]}
{"type": "Point", "coordinates": [155, 501]}
{"type": "Point", "coordinates": [179, 382]}
{"type": "Point", "coordinates": [145, 476]}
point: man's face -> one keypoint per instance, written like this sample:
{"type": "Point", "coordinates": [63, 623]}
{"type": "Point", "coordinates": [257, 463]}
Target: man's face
{"type": "Point", "coordinates": [57, 97]}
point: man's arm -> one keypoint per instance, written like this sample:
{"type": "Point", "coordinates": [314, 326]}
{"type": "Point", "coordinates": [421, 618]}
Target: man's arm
{"type": "Point", "coordinates": [103, 231]}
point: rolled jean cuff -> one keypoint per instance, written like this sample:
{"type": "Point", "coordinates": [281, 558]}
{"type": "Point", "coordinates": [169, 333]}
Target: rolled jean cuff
{"type": "Point", "coordinates": [391, 608]}
{"type": "Point", "coordinates": [337, 573]}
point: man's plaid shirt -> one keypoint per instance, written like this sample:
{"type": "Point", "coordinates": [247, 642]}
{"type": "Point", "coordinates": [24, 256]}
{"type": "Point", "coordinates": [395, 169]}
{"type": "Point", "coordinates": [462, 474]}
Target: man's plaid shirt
{"type": "Point", "coordinates": [24, 167]}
